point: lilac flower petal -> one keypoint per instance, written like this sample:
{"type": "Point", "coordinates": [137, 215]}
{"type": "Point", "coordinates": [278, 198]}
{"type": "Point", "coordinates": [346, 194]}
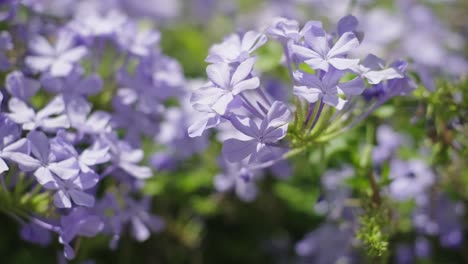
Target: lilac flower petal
{"type": "Point", "coordinates": [86, 180]}
{"type": "Point", "coordinates": [54, 107]}
{"type": "Point", "coordinates": [139, 229]}
{"type": "Point", "coordinates": [77, 109]}
{"type": "Point", "coordinates": [21, 112]}
{"type": "Point", "coordinates": [68, 252]}
{"type": "Point", "coordinates": [51, 124]}
{"type": "Point", "coordinates": [373, 62]}
{"type": "Point", "coordinates": [40, 146]}
{"type": "Point", "coordinates": [74, 55]}
{"type": "Point", "coordinates": [221, 105]}
{"type": "Point", "coordinates": [62, 200]}
{"type": "Point", "coordinates": [40, 45]}
{"type": "Point", "coordinates": [95, 156]}
{"type": "Point", "coordinates": [334, 100]}
{"type": "Point", "coordinates": [242, 71]}
{"type": "Point", "coordinates": [36, 234]}
{"type": "Point", "coordinates": [248, 84]}
{"type": "Point", "coordinates": [219, 74]}
{"type": "Point", "coordinates": [81, 198]}
{"type": "Point", "coordinates": [200, 125]}
{"type": "Point", "coordinates": [347, 24]}
{"type": "Point", "coordinates": [354, 87]}
{"type": "Point", "coordinates": [307, 79]}
{"type": "Point", "coordinates": [312, 95]}
{"type": "Point", "coordinates": [318, 42]}
{"type": "Point", "coordinates": [25, 162]}
{"type": "Point", "coordinates": [278, 114]}
{"type": "Point", "coordinates": [21, 87]}
{"type": "Point", "coordinates": [65, 40]}
{"type": "Point", "coordinates": [60, 68]}
{"type": "Point", "coordinates": [375, 77]}
{"type": "Point", "coordinates": [90, 227]}
{"type": "Point", "coordinates": [91, 85]}
{"type": "Point", "coordinates": [345, 44]}
{"type": "Point", "coordinates": [21, 145]}
{"type": "Point", "coordinates": [65, 169]}
{"type": "Point", "coordinates": [206, 96]}
{"type": "Point", "coordinates": [3, 166]}
{"type": "Point", "coordinates": [305, 53]}
{"type": "Point", "coordinates": [235, 150]}
{"type": "Point", "coordinates": [44, 177]}
{"type": "Point", "coordinates": [139, 172]}
{"type": "Point", "coordinates": [245, 125]}
{"type": "Point", "coordinates": [252, 40]}
{"type": "Point", "coordinates": [39, 63]}
{"type": "Point", "coordinates": [343, 63]}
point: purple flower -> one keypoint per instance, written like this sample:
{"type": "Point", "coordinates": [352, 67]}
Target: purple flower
{"type": "Point", "coordinates": [388, 141]}
{"type": "Point", "coordinates": [137, 42]}
{"type": "Point", "coordinates": [315, 246]}
{"type": "Point", "coordinates": [20, 86]}
{"type": "Point", "coordinates": [58, 59]}
{"type": "Point", "coordinates": [127, 158]}
{"type": "Point", "coordinates": [439, 215]}
{"type": "Point", "coordinates": [78, 223]}
{"type": "Point", "coordinates": [10, 141]}
{"type": "Point", "coordinates": [226, 84]}
{"type": "Point", "coordinates": [173, 134]}
{"type": "Point", "coordinates": [44, 163]}
{"type": "Point", "coordinates": [410, 179]}
{"type": "Point", "coordinates": [142, 222]}
{"type": "Point", "coordinates": [347, 24]}
{"type": "Point", "coordinates": [74, 88]}
{"type": "Point", "coordinates": [335, 192]}
{"type": "Point", "coordinates": [50, 118]}
{"type": "Point", "coordinates": [237, 177]}
{"type": "Point", "coordinates": [90, 24]}
{"type": "Point", "coordinates": [33, 233]}
{"type": "Point", "coordinates": [208, 119]}
{"type": "Point", "coordinates": [284, 30]}
{"type": "Point", "coordinates": [318, 53]}
{"type": "Point", "coordinates": [262, 137]}
{"type": "Point", "coordinates": [236, 48]}
{"type": "Point", "coordinates": [133, 121]}
{"type": "Point", "coordinates": [97, 123]}
{"type": "Point", "coordinates": [372, 68]}
{"type": "Point", "coordinates": [73, 190]}
{"type": "Point", "coordinates": [328, 88]}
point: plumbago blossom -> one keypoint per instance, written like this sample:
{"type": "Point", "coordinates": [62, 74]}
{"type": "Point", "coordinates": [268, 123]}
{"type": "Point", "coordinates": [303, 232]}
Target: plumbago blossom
{"type": "Point", "coordinates": [336, 90]}
{"type": "Point", "coordinates": [65, 134]}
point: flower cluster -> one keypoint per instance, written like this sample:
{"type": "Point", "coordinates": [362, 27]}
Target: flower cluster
{"type": "Point", "coordinates": [58, 132]}
{"type": "Point", "coordinates": [335, 90]}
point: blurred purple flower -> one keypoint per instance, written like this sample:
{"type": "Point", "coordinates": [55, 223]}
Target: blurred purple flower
{"type": "Point", "coordinates": [79, 222]}
{"type": "Point", "coordinates": [410, 179]}
{"type": "Point", "coordinates": [10, 141]}
{"type": "Point", "coordinates": [49, 118]}
{"type": "Point", "coordinates": [20, 86]}
{"type": "Point", "coordinates": [58, 59]}
{"type": "Point", "coordinates": [236, 48]}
